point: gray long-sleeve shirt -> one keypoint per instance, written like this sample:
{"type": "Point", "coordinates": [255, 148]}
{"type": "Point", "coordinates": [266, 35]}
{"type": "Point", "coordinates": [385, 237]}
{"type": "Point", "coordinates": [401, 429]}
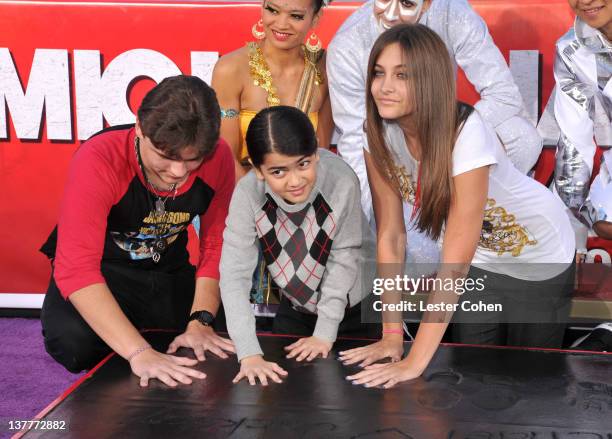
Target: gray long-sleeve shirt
{"type": "Point", "coordinates": [315, 251]}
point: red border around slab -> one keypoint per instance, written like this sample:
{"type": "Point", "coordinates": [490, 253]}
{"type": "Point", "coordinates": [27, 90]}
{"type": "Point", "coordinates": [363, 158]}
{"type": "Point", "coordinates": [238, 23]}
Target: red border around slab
{"type": "Point", "coordinates": [64, 395]}
{"type": "Point", "coordinates": [85, 377]}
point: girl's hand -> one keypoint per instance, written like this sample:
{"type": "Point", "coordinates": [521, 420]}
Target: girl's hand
{"type": "Point", "coordinates": [308, 349]}
{"type": "Point", "coordinates": [390, 346]}
{"type": "Point", "coordinates": [256, 367]}
{"type": "Point", "coordinates": [386, 375]}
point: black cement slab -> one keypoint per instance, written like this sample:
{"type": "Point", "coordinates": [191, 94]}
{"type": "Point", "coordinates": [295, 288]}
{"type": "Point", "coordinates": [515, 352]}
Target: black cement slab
{"type": "Point", "coordinates": [466, 393]}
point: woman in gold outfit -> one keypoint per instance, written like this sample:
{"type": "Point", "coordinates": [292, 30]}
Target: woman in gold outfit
{"type": "Point", "coordinates": [285, 65]}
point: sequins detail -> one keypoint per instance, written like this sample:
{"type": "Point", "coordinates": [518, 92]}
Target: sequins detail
{"type": "Point", "coordinates": [406, 187]}
{"type": "Point", "coordinates": [598, 205]}
{"type": "Point", "coordinates": [500, 232]}
{"type": "Point", "coordinates": [572, 175]}
{"type": "Point", "coordinates": [260, 72]}
{"type": "Point", "coordinates": [230, 113]}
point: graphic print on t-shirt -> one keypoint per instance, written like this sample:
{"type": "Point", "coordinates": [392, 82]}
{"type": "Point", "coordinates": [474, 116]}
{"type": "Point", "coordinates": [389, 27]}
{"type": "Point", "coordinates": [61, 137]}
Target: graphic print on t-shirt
{"type": "Point", "coordinates": [296, 247]}
{"type": "Point", "coordinates": [406, 186]}
{"type": "Point", "coordinates": [501, 233]}
{"type": "Point", "coordinates": [155, 227]}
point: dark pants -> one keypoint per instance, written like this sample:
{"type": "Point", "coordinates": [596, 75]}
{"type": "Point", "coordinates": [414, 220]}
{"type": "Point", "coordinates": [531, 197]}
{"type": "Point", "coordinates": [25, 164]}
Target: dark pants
{"type": "Point", "coordinates": [534, 313]}
{"type": "Point", "coordinates": [293, 322]}
{"type": "Point", "coordinates": [149, 299]}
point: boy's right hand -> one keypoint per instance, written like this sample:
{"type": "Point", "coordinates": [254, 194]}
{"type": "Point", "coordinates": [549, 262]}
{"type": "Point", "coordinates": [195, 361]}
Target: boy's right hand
{"type": "Point", "coordinates": [169, 369]}
{"type": "Point", "coordinates": [256, 367]}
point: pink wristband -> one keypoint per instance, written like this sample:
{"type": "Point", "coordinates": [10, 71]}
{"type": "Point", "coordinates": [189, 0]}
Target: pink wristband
{"type": "Point", "coordinates": [393, 331]}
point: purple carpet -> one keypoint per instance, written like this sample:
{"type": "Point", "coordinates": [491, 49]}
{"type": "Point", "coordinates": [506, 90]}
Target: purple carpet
{"type": "Point", "coordinates": [29, 378]}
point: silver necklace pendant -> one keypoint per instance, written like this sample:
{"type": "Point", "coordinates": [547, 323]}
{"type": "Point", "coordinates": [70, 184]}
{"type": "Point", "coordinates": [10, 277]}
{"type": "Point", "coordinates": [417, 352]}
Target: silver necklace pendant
{"type": "Point", "coordinates": [160, 207]}
{"type": "Point", "coordinates": [159, 245]}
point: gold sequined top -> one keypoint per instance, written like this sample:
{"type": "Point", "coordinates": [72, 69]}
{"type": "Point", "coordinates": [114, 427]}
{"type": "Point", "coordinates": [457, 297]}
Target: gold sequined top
{"type": "Point", "coordinates": [260, 72]}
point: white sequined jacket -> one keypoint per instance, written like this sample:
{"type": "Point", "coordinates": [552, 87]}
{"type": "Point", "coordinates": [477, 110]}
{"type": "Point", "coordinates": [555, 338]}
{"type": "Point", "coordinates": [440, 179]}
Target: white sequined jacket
{"type": "Point", "coordinates": [583, 73]}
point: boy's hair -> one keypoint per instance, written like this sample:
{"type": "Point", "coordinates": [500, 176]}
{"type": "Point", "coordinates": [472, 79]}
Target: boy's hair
{"type": "Point", "coordinates": [281, 129]}
{"type": "Point", "coordinates": [181, 111]}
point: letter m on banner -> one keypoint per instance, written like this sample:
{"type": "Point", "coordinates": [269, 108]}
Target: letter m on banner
{"type": "Point", "coordinates": [48, 87]}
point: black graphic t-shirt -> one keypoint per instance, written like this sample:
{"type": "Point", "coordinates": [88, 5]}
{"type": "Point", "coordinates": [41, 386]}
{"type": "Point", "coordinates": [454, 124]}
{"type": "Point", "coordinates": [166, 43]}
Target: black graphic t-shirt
{"type": "Point", "coordinates": [108, 213]}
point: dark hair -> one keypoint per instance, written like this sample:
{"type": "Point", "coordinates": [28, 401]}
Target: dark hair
{"type": "Point", "coordinates": [181, 111]}
{"type": "Point", "coordinates": [281, 129]}
{"type": "Point", "coordinates": [438, 115]}
{"type": "Point", "coordinates": [318, 4]}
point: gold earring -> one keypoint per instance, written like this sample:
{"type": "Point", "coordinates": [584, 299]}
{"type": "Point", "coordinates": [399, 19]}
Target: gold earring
{"type": "Point", "coordinates": [313, 43]}
{"type": "Point", "coordinates": [255, 30]}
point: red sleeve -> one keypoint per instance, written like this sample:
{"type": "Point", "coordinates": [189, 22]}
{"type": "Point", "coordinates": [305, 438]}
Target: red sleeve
{"type": "Point", "coordinates": [221, 176]}
{"type": "Point", "coordinates": [88, 197]}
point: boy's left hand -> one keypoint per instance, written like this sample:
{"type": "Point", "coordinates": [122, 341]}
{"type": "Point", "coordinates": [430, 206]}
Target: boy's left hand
{"type": "Point", "coordinates": [308, 349]}
{"type": "Point", "coordinates": [202, 338]}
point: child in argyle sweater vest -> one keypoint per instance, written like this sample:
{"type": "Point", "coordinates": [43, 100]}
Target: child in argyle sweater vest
{"type": "Point", "coordinates": [301, 206]}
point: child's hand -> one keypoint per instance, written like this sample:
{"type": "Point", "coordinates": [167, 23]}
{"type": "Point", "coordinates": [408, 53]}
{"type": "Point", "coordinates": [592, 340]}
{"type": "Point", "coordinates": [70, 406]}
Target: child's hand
{"type": "Point", "coordinates": [308, 348]}
{"type": "Point", "coordinates": [256, 366]}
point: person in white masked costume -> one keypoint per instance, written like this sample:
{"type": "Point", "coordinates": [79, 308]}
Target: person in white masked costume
{"type": "Point", "coordinates": [471, 47]}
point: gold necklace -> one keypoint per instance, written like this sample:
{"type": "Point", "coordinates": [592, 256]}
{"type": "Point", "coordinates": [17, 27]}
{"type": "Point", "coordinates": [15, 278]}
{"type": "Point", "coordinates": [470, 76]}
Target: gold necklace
{"type": "Point", "coordinates": [260, 72]}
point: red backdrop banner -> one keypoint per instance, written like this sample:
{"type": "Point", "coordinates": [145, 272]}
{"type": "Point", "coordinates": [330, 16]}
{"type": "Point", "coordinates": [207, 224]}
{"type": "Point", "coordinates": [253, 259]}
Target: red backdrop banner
{"type": "Point", "coordinates": [68, 67]}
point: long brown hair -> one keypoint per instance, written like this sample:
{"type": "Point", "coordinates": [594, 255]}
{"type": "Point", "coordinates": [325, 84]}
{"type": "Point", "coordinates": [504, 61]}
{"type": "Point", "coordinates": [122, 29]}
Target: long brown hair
{"type": "Point", "coordinates": [437, 114]}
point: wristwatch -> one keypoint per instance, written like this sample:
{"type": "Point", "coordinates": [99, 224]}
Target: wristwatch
{"type": "Point", "coordinates": [204, 317]}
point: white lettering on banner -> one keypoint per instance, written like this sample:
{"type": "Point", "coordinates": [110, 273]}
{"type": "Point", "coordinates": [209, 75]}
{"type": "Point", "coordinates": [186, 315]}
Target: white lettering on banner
{"type": "Point", "coordinates": [88, 92]}
{"type": "Point", "coordinates": [103, 94]}
{"type": "Point", "coordinates": [106, 94]}
{"type": "Point", "coordinates": [524, 66]}
{"type": "Point", "coordinates": [99, 95]}
{"type": "Point", "coordinates": [48, 86]}
{"type": "Point", "coordinates": [593, 253]}
{"type": "Point", "coordinates": [202, 64]}
{"type": "Point", "coordinates": [122, 71]}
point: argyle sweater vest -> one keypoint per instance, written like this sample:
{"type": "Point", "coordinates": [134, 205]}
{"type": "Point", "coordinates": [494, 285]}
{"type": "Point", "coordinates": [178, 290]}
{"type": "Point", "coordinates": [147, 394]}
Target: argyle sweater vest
{"type": "Point", "coordinates": [296, 246]}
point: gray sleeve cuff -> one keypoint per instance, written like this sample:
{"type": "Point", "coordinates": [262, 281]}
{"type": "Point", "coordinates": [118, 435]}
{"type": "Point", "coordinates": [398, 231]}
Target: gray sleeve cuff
{"type": "Point", "coordinates": [247, 346]}
{"type": "Point", "coordinates": [326, 329]}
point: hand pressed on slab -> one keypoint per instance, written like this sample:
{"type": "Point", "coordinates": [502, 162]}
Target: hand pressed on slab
{"type": "Point", "coordinates": [386, 374]}
{"type": "Point", "coordinates": [255, 367]}
{"type": "Point", "coordinates": [202, 338]}
{"type": "Point", "coordinates": [390, 346]}
{"type": "Point", "coordinates": [308, 348]}
{"type": "Point", "coordinates": [169, 369]}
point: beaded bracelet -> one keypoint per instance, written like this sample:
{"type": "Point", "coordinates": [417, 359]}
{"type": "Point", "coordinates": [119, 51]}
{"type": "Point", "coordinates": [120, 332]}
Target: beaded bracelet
{"type": "Point", "coordinates": [138, 351]}
{"type": "Point", "coordinates": [393, 331]}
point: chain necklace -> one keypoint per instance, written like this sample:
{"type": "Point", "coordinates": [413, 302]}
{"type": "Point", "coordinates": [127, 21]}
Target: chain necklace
{"type": "Point", "coordinates": [160, 244]}
{"type": "Point", "coordinates": [160, 204]}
